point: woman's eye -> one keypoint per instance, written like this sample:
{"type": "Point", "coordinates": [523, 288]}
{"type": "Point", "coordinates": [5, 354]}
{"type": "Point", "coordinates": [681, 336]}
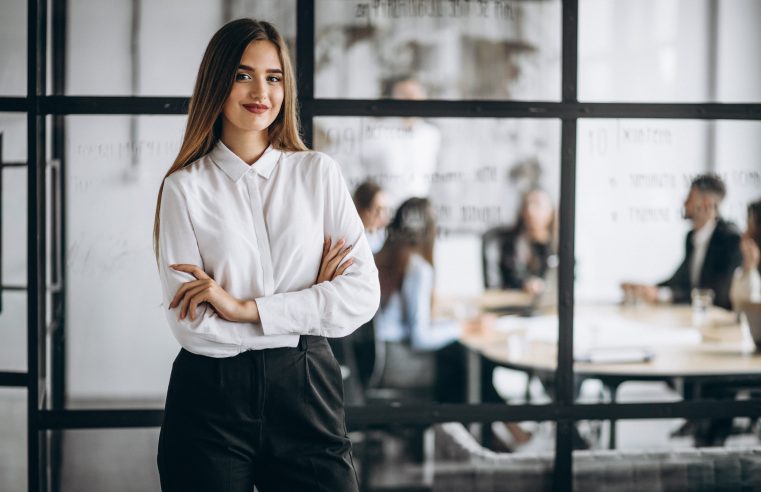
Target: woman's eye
{"type": "Point", "coordinates": [273, 78]}
{"type": "Point", "coordinates": [241, 75]}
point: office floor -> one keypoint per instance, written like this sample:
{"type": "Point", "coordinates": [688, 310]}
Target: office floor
{"type": "Point", "coordinates": [123, 460]}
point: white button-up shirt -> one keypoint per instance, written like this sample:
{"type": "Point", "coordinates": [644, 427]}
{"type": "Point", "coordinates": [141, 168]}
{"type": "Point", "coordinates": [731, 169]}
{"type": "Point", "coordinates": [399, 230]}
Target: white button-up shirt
{"type": "Point", "coordinates": [700, 240]}
{"type": "Point", "coordinates": [258, 231]}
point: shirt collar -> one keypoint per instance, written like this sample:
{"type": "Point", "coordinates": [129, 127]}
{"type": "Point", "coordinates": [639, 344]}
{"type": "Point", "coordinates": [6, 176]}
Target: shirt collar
{"type": "Point", "coordinates": [703, 235]}
{"type": "Point", "coordinates": [236, 168]}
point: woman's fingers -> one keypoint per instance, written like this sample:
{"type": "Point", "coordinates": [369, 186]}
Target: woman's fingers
{"type": "Point", "coordinates": [182, 290]}
{"type": "Point", "coordinates": [343, 268]}
{"type": "Point", "coordinates": [339, 257]}
{"type": "Point", "coordinates": [195, 300]}
{"type": "Point", "coordinates": [332, 256]}
{"type": "Point", "coordinates": [188, 298]}
{"type": "Point", "coordinates": [332, 252]}
{"type": "Point", "coordinates": [194, 270]}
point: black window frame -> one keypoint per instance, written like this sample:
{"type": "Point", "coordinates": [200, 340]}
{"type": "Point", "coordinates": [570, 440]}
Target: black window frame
{"type": "Point", "coordinates": [46, 415]}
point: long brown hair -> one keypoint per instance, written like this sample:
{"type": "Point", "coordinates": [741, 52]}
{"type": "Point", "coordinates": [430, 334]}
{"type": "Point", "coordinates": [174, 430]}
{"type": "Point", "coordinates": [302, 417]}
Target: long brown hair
{"type": "Point", "coordinates": [754, 215]}
{"type": "Point", "coordinates": [413, 230]}
{"type": "Point", "coordinates": [213, 84]}
{"type": "Point", "coordinates": [521, 226]}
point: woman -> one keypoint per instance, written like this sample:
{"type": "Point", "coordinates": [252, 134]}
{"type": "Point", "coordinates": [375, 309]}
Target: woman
{"type": "Point", "coordinates": [528, 250]}
{"type": "Point", "coordinates": [372, 205]}
{"type": "Point", "coordinates": [422, 351]}
{"type": "Point", "coordinates": [255, 396]}
{"type": "Point", "coordinates": [404, 321]}
{"type": "Point", "coordinates": [746, 284]}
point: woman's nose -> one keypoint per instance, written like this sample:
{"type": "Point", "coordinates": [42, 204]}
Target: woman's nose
{"type": "Point", "coordinates": [257, 88]}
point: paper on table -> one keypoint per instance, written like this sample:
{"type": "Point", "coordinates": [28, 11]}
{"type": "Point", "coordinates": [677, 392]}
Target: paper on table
{"type": "Point", "coordinates": [600, 331]}
{"type": "Point", "coordinates": [618, 355]}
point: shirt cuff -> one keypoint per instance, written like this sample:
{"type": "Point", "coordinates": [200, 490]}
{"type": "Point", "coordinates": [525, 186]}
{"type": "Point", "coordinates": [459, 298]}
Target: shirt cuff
{"type": "Point", "coordinates": [281, 315]}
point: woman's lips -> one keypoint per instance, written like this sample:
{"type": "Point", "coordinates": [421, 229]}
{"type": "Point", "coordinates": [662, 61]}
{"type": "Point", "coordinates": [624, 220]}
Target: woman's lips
{"type": "Point", "coordinates": [256, 108]}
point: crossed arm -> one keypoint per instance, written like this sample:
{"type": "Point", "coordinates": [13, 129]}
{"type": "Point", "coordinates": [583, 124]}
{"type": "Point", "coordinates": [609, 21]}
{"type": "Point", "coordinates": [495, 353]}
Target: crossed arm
{"type": "Point", "coordinates": [205, 289]}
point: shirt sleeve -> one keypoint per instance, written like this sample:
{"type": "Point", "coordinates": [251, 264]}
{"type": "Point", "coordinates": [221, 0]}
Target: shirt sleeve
{"type": "Point", "coordinates": [332, 308]}
{"type": "Point", "coordinates": [425, 333]}
{"type": "Point", "coordinates": [208, 334]}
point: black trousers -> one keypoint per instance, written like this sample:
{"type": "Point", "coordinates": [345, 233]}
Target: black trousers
{"type": "Point", "coordinates": [273, 418]}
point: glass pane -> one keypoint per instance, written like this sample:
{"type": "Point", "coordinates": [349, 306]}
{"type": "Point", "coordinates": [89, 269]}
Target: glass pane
{"type": "Point", "coordinates": [474, 172]}
{"type": "Point", "coordinates": [13, 49]}
{"type": "Point", "coordinates": [641, 335]}
{"type": "Point", "coordinates": [453, 457]}
{"type": "Point", "coordinates": [14, 205]}
{"type": "Point", "coordinates": [121, 460]}
{"type": "Point", "coordinates": [13, 454]}
{"type": "Point", "coordinates": [115, 164]}
{"type": "Point", "coordinates": [13, 331]}
{"type": "Point", "coordinates": [147, 55]}
{"type": "Point", "coordinates": [473, 169]}
{"type": "Point", "coordinates": [672, 50]}
{"type": "Point", "coordinates": [451, 50]}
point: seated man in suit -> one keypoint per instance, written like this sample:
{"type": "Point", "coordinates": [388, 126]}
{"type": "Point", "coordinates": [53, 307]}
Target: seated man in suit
{"type": "Point", "coordinates": [712, 250]}
{"type": "Point", "coordinates": [712, 253]}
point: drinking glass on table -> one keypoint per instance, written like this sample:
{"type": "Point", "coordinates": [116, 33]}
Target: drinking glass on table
{"type": "Point", "coordinates": [702, 300]}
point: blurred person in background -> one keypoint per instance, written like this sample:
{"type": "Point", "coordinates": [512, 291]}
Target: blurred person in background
{"type": "Point", "coordinates": [746, 287]}
{"type": "Point", "coordinates": [405, 321]}
{"type": "Point", "coordinates": [416, 343]}
{"type": "Point", "coordinates": [528, 251]}
{"type": "Point", "coordinates": [373, 208]}
{"type": "Point", "coordinates": [401, 154]}
{"type": "Point", "coordinates": [712, 250]}
{"type": "Point", "coordinates": [746, 283]}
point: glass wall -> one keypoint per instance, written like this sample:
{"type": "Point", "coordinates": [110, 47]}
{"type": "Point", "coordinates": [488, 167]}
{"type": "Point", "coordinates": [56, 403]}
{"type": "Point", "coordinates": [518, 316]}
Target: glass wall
{"type": "Point", "coordinates": [13, 54]}
{"type": "Point", "coordinates": [13, 453]}
{"type": "Point", "coordinates": [14, 203]}
{"type": "Point", "coordinates": [139, 53]}
{"type": "Point", "coordinates": [457, 50]}
{"type": "Point", "coordinates": [669, 51]}
{"type": "Point", "coordinates": [116, 163]}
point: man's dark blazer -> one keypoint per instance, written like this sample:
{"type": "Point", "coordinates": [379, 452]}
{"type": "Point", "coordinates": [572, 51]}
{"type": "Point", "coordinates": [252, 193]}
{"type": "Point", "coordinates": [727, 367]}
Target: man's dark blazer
{"type": "Point", "coordinates": [722, 257]}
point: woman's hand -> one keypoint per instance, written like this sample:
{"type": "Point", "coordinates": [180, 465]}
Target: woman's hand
{"type": "Point", "coordinates": [204, 289]}
{"type": "Point", "coordinates": [331, 258]}
{"type": "Point", "coordinates": [480, 325]}
{"type": "Point", "coordinates": [750, 252]}
{"type": "Point", "coordinates": [533, 286]}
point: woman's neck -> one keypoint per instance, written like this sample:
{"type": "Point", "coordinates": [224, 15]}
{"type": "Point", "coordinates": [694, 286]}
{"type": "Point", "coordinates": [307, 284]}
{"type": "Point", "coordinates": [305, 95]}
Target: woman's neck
{"type": "Point", "coordinates": [538, 235]}
{"type": "Point", "coordinates": [249, 146]}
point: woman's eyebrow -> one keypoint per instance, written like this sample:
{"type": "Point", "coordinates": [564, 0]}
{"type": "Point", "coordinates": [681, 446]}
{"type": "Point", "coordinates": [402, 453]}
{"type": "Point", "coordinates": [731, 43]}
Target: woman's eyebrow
{"type": "Point", "coordinates": [269, 70]}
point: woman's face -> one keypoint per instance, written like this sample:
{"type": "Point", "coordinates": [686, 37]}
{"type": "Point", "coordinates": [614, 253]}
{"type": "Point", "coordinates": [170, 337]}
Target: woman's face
{"type": "Point", "coordinates": [257, 92]}
{"type": "Point", "coordinates": [377, 216]}
{"type": "Point", "coordinates": [537, 211]}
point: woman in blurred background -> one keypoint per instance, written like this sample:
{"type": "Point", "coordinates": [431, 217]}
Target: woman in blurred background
{"type": "Point", "coordinates": [421, 351]}
{"type": "Point", "coordinates": [746, 284]}
{"type": "Point", "coordinates": [373, 207]}
{"type": "Point", "coordinates": [527, 252]}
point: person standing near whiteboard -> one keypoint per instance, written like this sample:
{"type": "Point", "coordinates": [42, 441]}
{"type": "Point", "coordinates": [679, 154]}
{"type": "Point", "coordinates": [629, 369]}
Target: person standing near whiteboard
{"type": "Point", "coordinates": [261, 256]}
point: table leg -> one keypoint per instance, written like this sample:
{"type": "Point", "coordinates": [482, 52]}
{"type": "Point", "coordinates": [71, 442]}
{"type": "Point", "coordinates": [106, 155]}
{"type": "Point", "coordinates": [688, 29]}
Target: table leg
{"type": "Point", "coordinates": [613, 390]}
{"type": "Point", "coordinates": [474, 386]}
